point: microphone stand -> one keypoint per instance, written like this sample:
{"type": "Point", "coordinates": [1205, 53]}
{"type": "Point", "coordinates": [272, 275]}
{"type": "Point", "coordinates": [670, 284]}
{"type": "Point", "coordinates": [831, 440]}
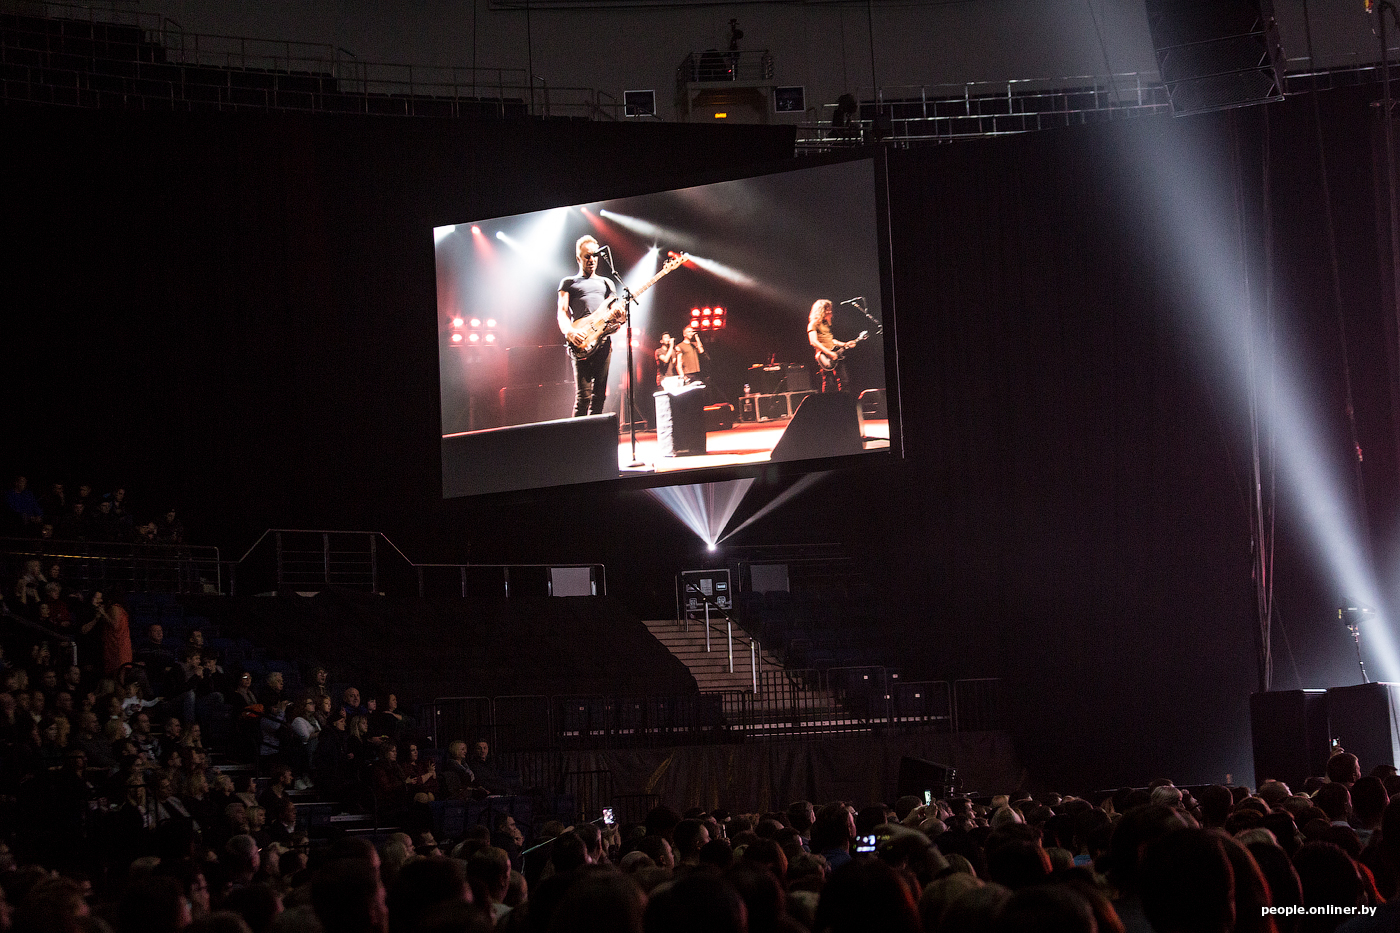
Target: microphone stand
{"type": "Point", "coordinates": [627, 301]}
{"type": "Point", "coordinates": [859, 305]}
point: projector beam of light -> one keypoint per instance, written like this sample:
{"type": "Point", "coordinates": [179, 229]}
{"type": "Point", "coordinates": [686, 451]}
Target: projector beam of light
{"type": "Point", "coordinates": [803, 484]}
{"type": "Point", "coordinates": [704, 508]}
{"type": "Point", "coordinates": [442, 233]}
{"type": "Point", "coordinates": [1207, 245]}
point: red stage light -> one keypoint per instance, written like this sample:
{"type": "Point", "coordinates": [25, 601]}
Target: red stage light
{"type": "Point", "coordinates": [719, 312]}
{"type": "Point", "coordinates": [476, 322]}
{"type": "Point", "coordinates": [475, 337]}
{"type": "Point", "coordinates": [456, 338]}
{"type": "Point", "coordinates": [694, 312]}
{"type": "Point", "coordinates": [490, 322]}
{"type": "Point", "coordinates": [476, 230]}
{"type": "Point", "coordinates": [490, 338]}
{"type": "Point", "coordinates": [706, 312]}
{"type": "Point", "coordinates": [719, 323]}
{"type": "Point", "coordinates": [705, 324]}
{"type": "Point", "coordinates": [456, 322]}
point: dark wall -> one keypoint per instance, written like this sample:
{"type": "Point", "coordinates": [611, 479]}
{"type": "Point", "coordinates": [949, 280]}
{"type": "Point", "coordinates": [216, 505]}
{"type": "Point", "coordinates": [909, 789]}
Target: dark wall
{"type": "Point", "coordinates": [237, 312]}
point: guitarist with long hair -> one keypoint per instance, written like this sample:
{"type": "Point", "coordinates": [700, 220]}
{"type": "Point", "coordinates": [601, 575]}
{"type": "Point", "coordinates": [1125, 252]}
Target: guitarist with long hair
{"type": "Point", "coordinates": [830, 351]}
{"type": "Point", "coordinates": [579, 296]}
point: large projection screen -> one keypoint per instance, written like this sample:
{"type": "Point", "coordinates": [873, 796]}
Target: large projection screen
{"type": "Point", "coordinates": [740, 263]}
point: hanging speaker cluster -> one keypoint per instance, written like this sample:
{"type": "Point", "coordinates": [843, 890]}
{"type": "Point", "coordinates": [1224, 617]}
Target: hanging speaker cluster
{"type": "Point", "coordinates": [1217, 54]}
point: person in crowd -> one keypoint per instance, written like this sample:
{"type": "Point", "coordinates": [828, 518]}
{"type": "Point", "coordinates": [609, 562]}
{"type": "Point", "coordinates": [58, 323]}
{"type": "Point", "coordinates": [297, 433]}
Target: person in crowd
{"type": "Point", "coordinates": [154, 652]}
{"type": "Point", "coordinates": [24, 509]}
{"type": "Point", "coordinates": [456, 779]}
{"type": "Point", "coordinates": [420, 774]}
{"type": "Point", "coordinates": [169, 529]}
{"type": "Point", "coordinates": [273, 690]}
{"type": "Point", "coordinates": [116, 632]}
{"type": "Point", "coordinates": [486, 772]}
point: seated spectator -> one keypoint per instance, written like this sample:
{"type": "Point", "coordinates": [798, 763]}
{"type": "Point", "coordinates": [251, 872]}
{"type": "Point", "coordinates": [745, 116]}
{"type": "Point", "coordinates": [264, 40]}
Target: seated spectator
{"type": "Point", "coordinates": [388, 781]}
{"type": "Point", "coordinates": [387, 722]}
{"type": "Point", "coordinates": [25, 512]}
{"type": "Point", "coordinates": [102, 524]}
{"type": "Point", "coordinates": [243, 692]}
{"type": "Point", "coordinates": [273, 691]}
{"type": "Point", "coordinates": [169, 529]}
{"type": "Point", "coordinates": [319, 685]}
{"type": "Point", "coordinates": [307, 729]}
{"type": "Point", "coordinates": [73, 525]}
{"type": "Point", "coordinates": [350, 702]}
{"type": "Point", "coordinates": [421, 776]}
{"type": "Point", "coordinates": [146, 740]}
{"type": "Point", "coordinates": [54, 502]}
{"type": "Point", "coordinates": [485, 771]}
{"type": "Point", "coordinates": [28, 591]}
{"type": "Point", "coordinates": [274, 731]}
{"type": "Point", "coordinates": [456, 779]}
{"type": "Point", "coordinates": [154, 651]}
{"type": "Point", "coordinates": [181, 686]}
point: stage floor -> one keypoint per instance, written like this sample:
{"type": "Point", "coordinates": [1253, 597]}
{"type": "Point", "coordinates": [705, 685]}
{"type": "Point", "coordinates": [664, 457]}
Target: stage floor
{"type": "Point", "coordinates": [746, 442]}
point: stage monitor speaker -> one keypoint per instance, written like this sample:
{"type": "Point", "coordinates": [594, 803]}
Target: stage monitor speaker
{"type": "Point", "coordinates": [680, 421]}
{"type": "Point", "coordinates": [823, 426]}
{"type": "Point", "coordinates": [1289, 729]}
{"type": "Point", "coordinates": [1363, 719]}
{"type": "Point", "coordinates": [534, 403]}
{"type": "Point", "coordinates": [1217, 54]}
{"type": "Point", "coordinates": [530, 456]}
{"type": "Point", "coordinates": [532, 366]}
{"type": "Point", "coordinates": [917, 775]}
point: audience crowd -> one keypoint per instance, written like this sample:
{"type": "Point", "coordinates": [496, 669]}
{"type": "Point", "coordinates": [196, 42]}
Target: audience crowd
{"type": "Point", "coordinates": [65, 515]}
{"type": "Point", "coordinates": [145, 788]}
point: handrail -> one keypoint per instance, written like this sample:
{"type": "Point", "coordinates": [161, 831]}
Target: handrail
{"type": "Point", "coordinates": [417, 566]}
{"type": "Point", "coordinates": [754, 649]}
{"type": "Point", "coordinates": [183, 560]}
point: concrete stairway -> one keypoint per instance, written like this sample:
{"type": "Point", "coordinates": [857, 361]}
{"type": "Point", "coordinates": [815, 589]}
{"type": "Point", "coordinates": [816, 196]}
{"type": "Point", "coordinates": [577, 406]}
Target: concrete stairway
{"type": "Point", "coordinates": [711, 669]}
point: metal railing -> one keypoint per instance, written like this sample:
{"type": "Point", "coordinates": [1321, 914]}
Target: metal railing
{"type": "Point", "coordinates": [947, 112]}
{"type": "Point", "coordinates": [755, 650]}
{"type": "Point", "coordinates": [714, 66]}
{"type": "Point", "coordinates": [312, 559]}
{"type": "Point", "coordinates": [154, 568]}
{"type": "Point", "coordinates": [789, 703]}
{"type": "Point", "coordinates": [91, 57]}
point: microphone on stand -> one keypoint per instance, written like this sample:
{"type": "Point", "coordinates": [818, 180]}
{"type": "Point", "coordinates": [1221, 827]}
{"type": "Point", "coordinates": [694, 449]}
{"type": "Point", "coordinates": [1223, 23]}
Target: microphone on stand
{"type": "Point", "coordinates": [854, 301]}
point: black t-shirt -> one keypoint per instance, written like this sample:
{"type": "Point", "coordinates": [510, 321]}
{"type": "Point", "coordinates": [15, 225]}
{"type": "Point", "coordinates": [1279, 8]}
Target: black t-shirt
{"type": "Point", "coordinates": [586, 294]}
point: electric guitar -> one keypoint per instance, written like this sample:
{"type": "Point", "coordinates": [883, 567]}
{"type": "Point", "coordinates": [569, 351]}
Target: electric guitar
{"type": "Point", "coordinates": [827, 364]}
{"type": "Point", "coordinates": [590, 331]}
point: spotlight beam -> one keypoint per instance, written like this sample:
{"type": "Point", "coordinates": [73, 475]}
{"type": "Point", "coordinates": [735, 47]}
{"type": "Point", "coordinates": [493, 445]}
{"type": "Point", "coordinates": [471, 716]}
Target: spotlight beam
{"type": "Point", "coordinates": [1207, 248]}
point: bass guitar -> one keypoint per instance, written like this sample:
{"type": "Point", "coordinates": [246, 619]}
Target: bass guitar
{"type": "Point", "coordinates": [827, 364]}
{"type": "Point", "coordinates": [590, 331]}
